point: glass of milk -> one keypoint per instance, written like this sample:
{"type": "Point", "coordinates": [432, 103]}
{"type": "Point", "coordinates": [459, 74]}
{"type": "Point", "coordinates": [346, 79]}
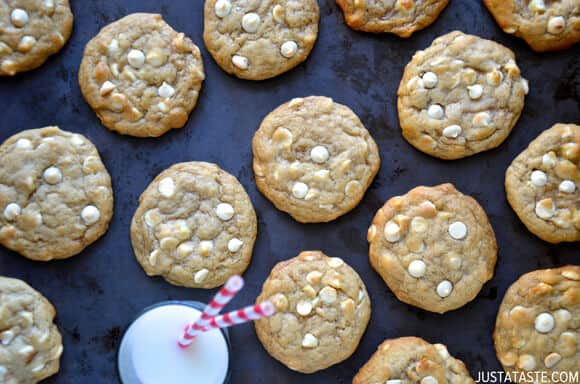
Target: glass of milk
{"type": "Point", "coordinates": [149, 353]}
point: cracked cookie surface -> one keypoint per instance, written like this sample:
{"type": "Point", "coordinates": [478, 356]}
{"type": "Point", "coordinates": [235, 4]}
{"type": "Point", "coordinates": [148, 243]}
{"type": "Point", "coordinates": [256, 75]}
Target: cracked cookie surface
{"type": "Point", "coordinates": [543, 184]}
{"type": "Point", "coordinates": [323, 309]}
{"type": "Point", "coordinates": [546, 25]}
{"type": "Point", "coordinates": [412, 360]}
{"type": "Point", "coordinates": [538, 323]}
{"type": "Point", "coordinates": [401, 17]}
{"type": "Point", "coordinates": [460, 96]}
{"type": "Point", "coordinates": [195, 226]}
{"type": "Point", "coordinates": [55, 194]}
{"type": "Point", "coordinates": [314, 159]}
{"type": "Point", "coordinates": [140, 76]}
{"type": "Point", "coordinates": [433, 247]}
{"type": "Point", "coordinates": [31, 31]}
{"type": "Point", "coordinates": [260, 39]}
{"type": "Point", "coordinates": [30, 344]}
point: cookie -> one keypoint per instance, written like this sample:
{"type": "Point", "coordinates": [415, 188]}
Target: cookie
{"type": "Point", "coordinates": [30, 344]}
{"type": "Point", "coordinates": [543, 184]}
{"type": "Point", "coordinates": [434, 247]}
{"type": "Point", "coordinates": [55, 194]}
{"type": "Point", "coordinates": [31, 31]}
{"type": "Point", "coordinates": [538, 321]}
{"type": "Point", "coordinates": [141, 77]}
{"type": "Point", "coordinates": [460, 96]}
{"type": "Point", "coordinates": [401, 17]}
{"type": "Point", "coordinates": [544, 25]}
{"type": "Point", "coordinates": [323, 309]}
{"type": "Point", "coordinates": [314, 159]}
{"type": "Point", "coordinates": [195, 226]}
{"type": "Point", "coordinates": [412, 360]}
{"type": "Point", "coordinates": [260, 39]}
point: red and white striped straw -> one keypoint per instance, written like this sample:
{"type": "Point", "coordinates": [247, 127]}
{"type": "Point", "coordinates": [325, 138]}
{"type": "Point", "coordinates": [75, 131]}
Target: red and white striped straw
{"type": "Point", "coordinates": [240, 316]}
{"type": "Point", "coordinates": [220, 300]}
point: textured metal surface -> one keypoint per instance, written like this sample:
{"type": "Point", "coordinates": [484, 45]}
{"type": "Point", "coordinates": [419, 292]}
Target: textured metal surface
{"type": "Point", "coordinates": [98, 292]}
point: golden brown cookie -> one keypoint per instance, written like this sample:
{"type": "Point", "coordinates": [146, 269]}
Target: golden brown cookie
{"type": "Point", "coordinates": [31, 31]}
{"type": "Point", "coordinates": [260, 39]}
{"type": "Point", "coordinates": [538, 324]}
{"type": "Point", "coordinates": [141, 77]}
{"type": "Point", "coordinates": [323, 309]}
{"type": "Point", "coordinates": [401, 17]}
{"type": "Point", "coordinates": [460, 96]}
{"type": "Point", "coordinates": [543, 184]}
{"type": "Point", "coordinates": [412, 360]}
{"type": "Point", "coordinates": [546, 25]}
{"type": "Point", "coordinates": [434, 247]}
{"type": "Point", "coordinates": [55, 194]}
{"type": "Point", "coordinates": [314, 159]}
{"type": "Point", "coordinates": [30, 344]}
{"type": "Point", "coordinates": [195, 226]}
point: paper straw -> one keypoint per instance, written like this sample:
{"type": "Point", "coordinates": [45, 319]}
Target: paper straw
{"type": "Point", "coordinates": [240, 316]}
{"type": "Point", "coordinates": [220, 300]}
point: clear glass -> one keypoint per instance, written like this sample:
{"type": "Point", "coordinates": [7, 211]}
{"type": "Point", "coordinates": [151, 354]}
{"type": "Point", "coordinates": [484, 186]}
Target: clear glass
{"type": "Point", "coordinates": [193, 304]}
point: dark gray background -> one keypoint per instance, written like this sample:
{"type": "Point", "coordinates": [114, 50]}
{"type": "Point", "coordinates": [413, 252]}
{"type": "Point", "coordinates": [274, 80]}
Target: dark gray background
{"type": "Point", "coordinates": [98, 292]}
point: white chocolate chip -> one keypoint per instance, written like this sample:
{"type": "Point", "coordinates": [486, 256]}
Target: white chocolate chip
{"type": "Point", "coordinates": [319, 154]}
{"type": "Point", "coordinates": [452, 131]}
{"type": "Point", "coordinates": [562, 317]}
{"type": "Point", "coordinates": [392, 232]}
{"type": "Point", "coordinates": [482, 119]}
{"type": "Point", "coordinates": [234, 245]}
{"type": "Point", "coordinates": [429, 380]}
{"type": "Point", "coordinates": [6, 337]}
{"type": "Point", "coordinates": [556, 25]}
{"type": "Point", "coordinates": [300, 190]}
{"type": "Point", "coordinates": [419, 224]}
{"type": "Point", "coordinates": [552, 360]}
{"type": "Point", "coordinates": [107, 88]}
{"type": "Point", "coordinates": [113, 47]}
{"type": "Point", "coordinates": [26, 43]}
{"type": "Point", "coordinates": [90, 214]}
{"type": "Point", "coordinates": [52, 175]}
{"type": "Point", "coordinates": [224, 211]}
{"type": "Point", "coordinates": [444, 288]}
{"type": "Point", "coordinates": [393, 381]}
{"type": "Point", "coordinates": [314, 277]}
{"type": "Point", "coordinates": [539, 178]}
{"type": "Point", "coordinates": [549, 160]}
{"type": "Point", "coordinates": [26, 351]}
{"type": "Point", "coordinates": [289, 49]}
{"type": "Point", "coordinates": [205, 247]}
{"type": "Point", "coordinates": [184, 250]}
{"type": "Point", "coordinates": [166, 90]}
{"type": "Point", "coordinates": [156, 57]}
{"type": "Point", "coordinates": [537, 6]}
{"type": "Point", "coordinates": [458, 230]}
{"type": "Point", "coordinates": [153, 257]}
{"type": "Point", "coordinates": [240, 61]}
{"type": "Point", "coordinates": [37, 369]}
{"type": "Point", "coordinates": [304, 308]}
{"type": "Point", "coordinates": [327, 295]}
{"type": "Point", "coordinates": [526, 362]}
{"type": "Point", "coordinates": [430, 80]}
{"type": "Point", "coordinates": [222, 8]}
{"type": "Point", "coordinates": [19, 17]}
{"type": "Point", "coordinates": [12, 211]}
{"type": "Point", "coordinates": [24, 144]}
{"type": "Point", "coordinates": [567, 186]}
{"type": "Point", "coordinates": [200, 276]}
{"type": "Point", "coordinates": [475, 91]}
{"type": "Point", "coordinates": [526, 86]}
{"type": "Point", "coordinates": [545, 209]}
{"type": "Point", "coordinates": [136, 58]}
{"type": "Point", "coordinates": [283, 137]}
{"type": "Point", "coordinates": [251, 22]}
{"type": "Point", "coordinates": [544, 323]}
{"type": "Point", "coordinates": [417, 268]}
{"type": "Point", "coordinates": [166, 187]}
{"type": "Point", "coordinates": [335, 262]}
{"type": "Point", "coordinates": [278, 13]}
{"type": "Point", "coordinates": [435, 111]}
{"type": "Point", "coordinates": [309, 341]}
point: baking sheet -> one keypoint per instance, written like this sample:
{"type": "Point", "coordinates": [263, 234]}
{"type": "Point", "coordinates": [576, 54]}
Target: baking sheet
{"type": "Point", "coordinates": [98, 292]}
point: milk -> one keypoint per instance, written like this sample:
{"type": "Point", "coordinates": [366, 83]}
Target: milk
{"type": "Point", "coordinates": [149, 353]}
